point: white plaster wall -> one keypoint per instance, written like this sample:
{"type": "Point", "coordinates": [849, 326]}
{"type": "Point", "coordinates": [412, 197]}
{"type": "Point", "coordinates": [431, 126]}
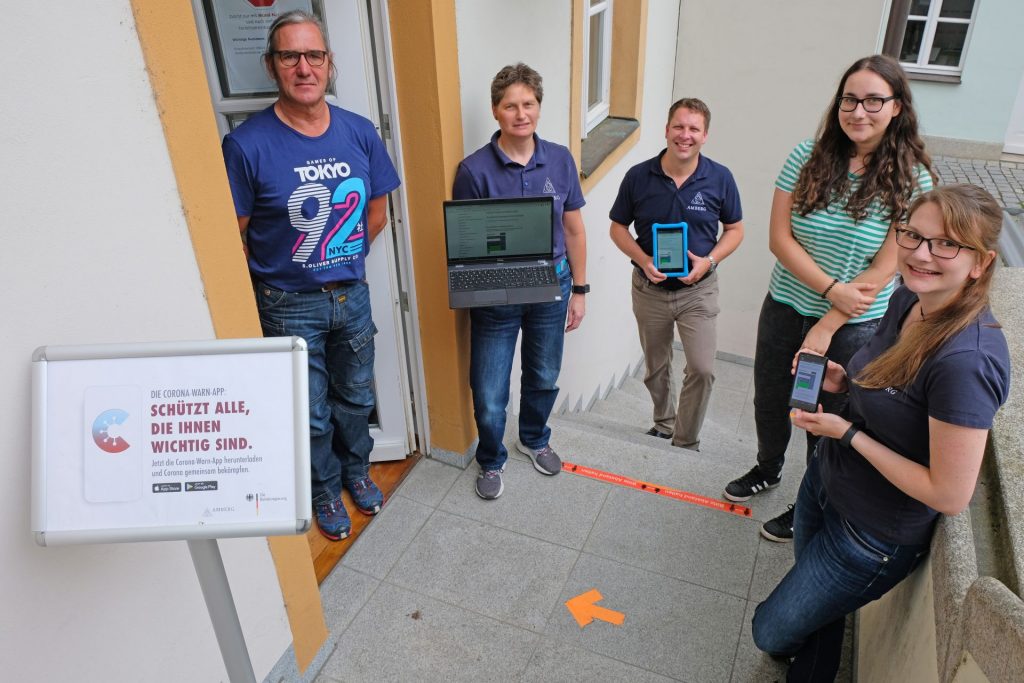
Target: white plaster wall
{"type": "Point", "coordinates": [600, 351]}
{"type": "Point", "coordinates": [98, 251]}
{"type": "Point", "coordinates": [609, 340]}
{"type": "Point", "coordinates": [979, 107]}
{"type": "Point", "coordinates": [493, 33]}
{"type": "Point", "coordinates": [767, 77]}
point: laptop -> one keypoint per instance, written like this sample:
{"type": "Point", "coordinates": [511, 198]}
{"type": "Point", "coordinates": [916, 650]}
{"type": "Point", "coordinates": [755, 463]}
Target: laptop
{"type": "Point", "coordinates": [500, 251]}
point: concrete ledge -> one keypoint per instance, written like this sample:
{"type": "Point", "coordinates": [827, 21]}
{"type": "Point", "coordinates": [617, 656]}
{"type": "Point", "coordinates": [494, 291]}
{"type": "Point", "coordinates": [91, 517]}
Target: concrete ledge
{"type": "Point", "coordinates": [975, 627]}
{"type": "Point", "coordinates": [963, 149]}
{"type": "Point", "coordinates": [461, 460]}
{"type": "Point", "coordinates": [994, 630]}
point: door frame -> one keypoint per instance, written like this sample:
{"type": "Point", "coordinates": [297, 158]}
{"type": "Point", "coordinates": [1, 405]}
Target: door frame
{"type": "Point", "coordinates": [395, 240]}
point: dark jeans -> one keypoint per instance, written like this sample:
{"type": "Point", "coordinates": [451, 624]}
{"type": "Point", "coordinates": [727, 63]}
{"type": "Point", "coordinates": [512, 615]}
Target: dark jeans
{"type": "Point", "coordinates": [780, 333]}
{"type": "Point", "coordinates": [338, 330]}
{"type": "Point", "coordinates": [839, 568]}
{"type": "Point", "coordinates": [493, 334]}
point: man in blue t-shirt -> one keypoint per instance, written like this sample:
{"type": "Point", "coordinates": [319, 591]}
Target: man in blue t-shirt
{"type": "Point", "coordinates": [310, 183]}
{"type": "Point", "coordinates": [678, 185]}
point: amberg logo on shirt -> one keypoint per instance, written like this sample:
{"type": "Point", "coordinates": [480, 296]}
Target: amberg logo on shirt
{"type": "Point", "coordinates": [697, 203]}
{"type": "Point", "coordinates": [329, 223]}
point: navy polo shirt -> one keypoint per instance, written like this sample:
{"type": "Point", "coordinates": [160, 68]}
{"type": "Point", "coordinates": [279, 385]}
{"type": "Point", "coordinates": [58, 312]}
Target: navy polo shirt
{"type": "Point", "coordinates": [488, 172]}
{"type": "Point", "coordinates": [648, 196]}
{"type": "Point", "coordinates": [962, 383]}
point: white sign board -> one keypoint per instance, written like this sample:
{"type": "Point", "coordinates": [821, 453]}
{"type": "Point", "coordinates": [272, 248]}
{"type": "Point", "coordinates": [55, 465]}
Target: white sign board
{"type": "Point", "coordinates": [184, 440]}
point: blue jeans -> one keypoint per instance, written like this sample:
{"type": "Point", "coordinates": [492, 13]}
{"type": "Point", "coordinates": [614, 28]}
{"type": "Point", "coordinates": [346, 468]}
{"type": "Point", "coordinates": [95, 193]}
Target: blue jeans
{"type": "Point", "coordinates": [493, 334]}
{"type": "Point", "coordinates": [780, 332]}
{"type": "Point", "coordinates": [338, 330]}
{"type": "Point", "coordinates": [839, 568]}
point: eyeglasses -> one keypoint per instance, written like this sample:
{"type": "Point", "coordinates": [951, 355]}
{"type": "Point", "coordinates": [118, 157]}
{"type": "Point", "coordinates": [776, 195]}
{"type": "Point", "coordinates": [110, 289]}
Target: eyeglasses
{"type": "Point", "coordinates": [940, 247]}
{"type": "Point", "coordinates": [872, 105]}
{"type": "Point", "coordinates": [291, 58]}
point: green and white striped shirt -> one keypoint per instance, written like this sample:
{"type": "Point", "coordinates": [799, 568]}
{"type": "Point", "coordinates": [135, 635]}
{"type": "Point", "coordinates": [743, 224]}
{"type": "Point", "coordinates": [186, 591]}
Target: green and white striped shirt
{"type": "Point", "coordinates": [842, 248]}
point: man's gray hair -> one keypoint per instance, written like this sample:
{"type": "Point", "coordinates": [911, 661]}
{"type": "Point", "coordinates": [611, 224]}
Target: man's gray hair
{"type": "Point", "coordinates": [296, 16]}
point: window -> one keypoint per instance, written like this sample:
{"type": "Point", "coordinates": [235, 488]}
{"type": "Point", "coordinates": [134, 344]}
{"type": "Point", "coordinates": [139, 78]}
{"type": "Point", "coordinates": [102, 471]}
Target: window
{"type": "Point", "coordinates": [930, 36]}
{"type": "Point", "coordinates": [606, 84]}
{"type": "Point", "coordinates": [597, 42]}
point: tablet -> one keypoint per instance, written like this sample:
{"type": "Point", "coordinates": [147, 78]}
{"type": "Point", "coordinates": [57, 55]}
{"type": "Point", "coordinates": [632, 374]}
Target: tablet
{"type": "Point", "coordinates": [670, 249]}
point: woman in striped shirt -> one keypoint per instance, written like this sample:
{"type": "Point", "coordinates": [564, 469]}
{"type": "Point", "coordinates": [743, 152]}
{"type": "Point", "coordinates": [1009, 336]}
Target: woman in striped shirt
{"type": "Point", "coordinates": [835, 200]}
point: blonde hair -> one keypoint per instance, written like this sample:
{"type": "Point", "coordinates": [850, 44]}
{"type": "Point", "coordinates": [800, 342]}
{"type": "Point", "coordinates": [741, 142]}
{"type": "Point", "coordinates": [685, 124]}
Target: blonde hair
{"type": "Point", "coordinates": [971, 217]}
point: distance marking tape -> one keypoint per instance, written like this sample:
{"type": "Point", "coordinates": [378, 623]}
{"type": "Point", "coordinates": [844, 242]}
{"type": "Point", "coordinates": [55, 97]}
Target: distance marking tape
{"type": "Point", "coordinates": [684, 496]}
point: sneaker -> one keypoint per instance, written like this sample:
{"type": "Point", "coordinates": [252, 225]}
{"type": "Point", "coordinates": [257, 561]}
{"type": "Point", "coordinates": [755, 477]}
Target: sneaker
{"type": "Point", "coordinates": [332, 519]}
{"type": "Point", "coordinates": [751, 483]}
{"type": "Point", "coordinates": [653, 431]}
{"type": "Point", "coordinates": [488, 484]}
{"type": "Point", "coordinates": [779, 529]}
{"type": "Point", "coordinates": [545, 460]}
{"type": "Point", "coordinates": [366, 495]}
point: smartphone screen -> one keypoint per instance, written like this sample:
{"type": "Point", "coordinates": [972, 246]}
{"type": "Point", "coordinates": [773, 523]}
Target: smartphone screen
{"type": "Point", "coordinates": [671, 253]}
{"type": "Point", "coordinates": [810, 372]}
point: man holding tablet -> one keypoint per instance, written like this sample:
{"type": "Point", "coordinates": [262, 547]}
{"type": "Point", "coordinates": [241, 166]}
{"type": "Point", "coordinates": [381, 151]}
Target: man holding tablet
{"type": "Point", "coordinates": [679, 185]}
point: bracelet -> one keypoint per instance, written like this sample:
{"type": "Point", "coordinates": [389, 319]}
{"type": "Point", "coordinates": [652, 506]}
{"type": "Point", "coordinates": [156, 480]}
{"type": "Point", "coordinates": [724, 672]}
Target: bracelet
{"type": "Point", "coordinates": [846, 439]}
{"type": "Point", "coordinates": [835, 281]}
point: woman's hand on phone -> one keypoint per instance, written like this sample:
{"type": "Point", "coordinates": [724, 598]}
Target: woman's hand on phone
{"type": "Point", "coordinates": [820, 423]}
{"type": "Point", "coordinates": [834, 382]}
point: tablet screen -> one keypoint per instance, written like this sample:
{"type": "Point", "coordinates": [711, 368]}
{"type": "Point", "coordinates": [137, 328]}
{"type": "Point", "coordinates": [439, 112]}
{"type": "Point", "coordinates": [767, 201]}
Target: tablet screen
{"type": "Point", "coordinates": [671, 254]}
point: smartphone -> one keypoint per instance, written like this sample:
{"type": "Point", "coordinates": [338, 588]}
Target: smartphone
{"type": "Point", "coordinates": [810, 373]}
{"type": "Point", "coordinates": [670, 249]}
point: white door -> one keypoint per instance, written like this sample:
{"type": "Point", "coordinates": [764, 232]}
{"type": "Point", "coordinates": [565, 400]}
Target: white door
{"type": "Point", "coordinates": [240, 26]}
{"type": "Point", "coordinates": [1014, 143]}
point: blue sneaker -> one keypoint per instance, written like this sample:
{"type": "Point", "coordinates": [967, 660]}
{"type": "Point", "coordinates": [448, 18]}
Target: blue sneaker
{"type": "Point", "coordinates": [332, 519]}
{"type": "Point", "coordinates": [366, 495]}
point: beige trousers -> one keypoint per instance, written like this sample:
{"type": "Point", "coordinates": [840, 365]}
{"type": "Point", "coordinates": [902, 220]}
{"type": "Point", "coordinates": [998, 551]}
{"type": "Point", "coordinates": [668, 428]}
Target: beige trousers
{"type": "Point", "coordinates": [691, 310]}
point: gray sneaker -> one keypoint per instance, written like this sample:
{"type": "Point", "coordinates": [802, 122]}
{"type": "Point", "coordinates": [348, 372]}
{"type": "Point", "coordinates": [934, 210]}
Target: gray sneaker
{"type": "Point", "coordinates": [488, 484]}
{"type": "Point", "coordinates": [545, 460]}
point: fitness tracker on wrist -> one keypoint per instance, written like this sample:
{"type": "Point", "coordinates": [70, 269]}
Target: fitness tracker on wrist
{"type": "Point", "coordinates": [580, 289]}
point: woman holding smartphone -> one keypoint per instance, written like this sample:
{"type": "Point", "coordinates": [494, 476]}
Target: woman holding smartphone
{"type": "Point", "coordinates": [835, 200]}
{"type": "Point", "coordinates": [922, 396]}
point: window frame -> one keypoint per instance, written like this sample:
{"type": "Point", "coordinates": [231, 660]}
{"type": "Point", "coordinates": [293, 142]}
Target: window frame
{"type": "Point", "coordinates": [592, 116]}
{"type": "Point", "coordinates": [896, 31]}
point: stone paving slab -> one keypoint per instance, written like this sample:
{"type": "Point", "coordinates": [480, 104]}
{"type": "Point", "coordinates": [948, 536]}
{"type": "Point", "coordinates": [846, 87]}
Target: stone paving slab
{"type": "Point", "coordinates": [560, 509]}
{"type": "Point", "coordinates": [671, 627]}
{"type": "Point", "coordinates": [703, 546]}
{"type": "Point", "coordinates": [402, 635]}
{"type": "Point", "coordinates": [493, 572]}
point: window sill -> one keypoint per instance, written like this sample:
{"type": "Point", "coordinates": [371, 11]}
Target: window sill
{"type": "Point", "coordinates": [604, 146]}
{"type": "Point", "coordinates": [932, 76]}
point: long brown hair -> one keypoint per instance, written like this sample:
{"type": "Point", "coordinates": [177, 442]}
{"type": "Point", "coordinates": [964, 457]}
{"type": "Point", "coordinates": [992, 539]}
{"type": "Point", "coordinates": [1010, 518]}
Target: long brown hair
{"type": "Point", "coordinates": [971, 217]}
{"type": "Point", "coordinates": [890, 172]}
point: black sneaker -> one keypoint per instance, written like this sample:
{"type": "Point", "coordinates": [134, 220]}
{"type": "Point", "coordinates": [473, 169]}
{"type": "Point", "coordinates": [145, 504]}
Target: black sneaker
{"type": "Point", "coordinates": [779, 529]}
{"type": "Point", "coordinates": [750, 484]}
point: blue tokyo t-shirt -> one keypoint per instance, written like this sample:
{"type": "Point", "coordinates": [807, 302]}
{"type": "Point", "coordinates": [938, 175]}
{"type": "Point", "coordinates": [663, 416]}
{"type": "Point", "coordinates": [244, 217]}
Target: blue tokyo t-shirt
{"type": "Point", "coordinates": [306, 197]}
{"type": "Point", "coordinates": [488, 172]}
{"type": "Point", "coordinates": [963, 383]}
{"type": "Point", "coordinates": [648, 196]}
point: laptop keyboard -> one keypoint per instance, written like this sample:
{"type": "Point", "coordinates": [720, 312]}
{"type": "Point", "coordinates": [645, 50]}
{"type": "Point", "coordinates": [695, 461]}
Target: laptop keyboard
{"type": "Point", "coordinates": [501, 278]}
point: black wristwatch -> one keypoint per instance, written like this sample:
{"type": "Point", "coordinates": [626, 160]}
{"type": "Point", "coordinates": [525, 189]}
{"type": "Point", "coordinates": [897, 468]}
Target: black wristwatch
{"type": "Point", "coordinates": [580, 289]}
{"type": "Point", "coordinates": [847, 438]}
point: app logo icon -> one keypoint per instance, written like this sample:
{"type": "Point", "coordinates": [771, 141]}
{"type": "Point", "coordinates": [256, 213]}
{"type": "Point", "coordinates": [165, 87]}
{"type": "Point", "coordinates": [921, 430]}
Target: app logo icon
{"type": "Point", "coordinates": [105, 431]}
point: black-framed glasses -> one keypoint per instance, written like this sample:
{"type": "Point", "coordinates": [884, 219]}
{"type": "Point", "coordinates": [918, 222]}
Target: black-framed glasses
{"type": "Point", "coordinates": [872, 105]}
{"type": "Point", "coordinates": [291, 58]}
{"type": "Point", "coordinates": [940, 247]}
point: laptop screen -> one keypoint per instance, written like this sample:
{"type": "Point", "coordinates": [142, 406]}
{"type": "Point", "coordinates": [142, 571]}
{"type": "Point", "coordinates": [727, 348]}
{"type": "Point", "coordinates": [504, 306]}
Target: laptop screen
{"type": "Point", "coordinates": [496, 229]}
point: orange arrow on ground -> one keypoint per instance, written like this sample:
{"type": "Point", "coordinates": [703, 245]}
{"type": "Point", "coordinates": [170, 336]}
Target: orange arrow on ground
{"type": "Point", "coordinates": [585, 611]}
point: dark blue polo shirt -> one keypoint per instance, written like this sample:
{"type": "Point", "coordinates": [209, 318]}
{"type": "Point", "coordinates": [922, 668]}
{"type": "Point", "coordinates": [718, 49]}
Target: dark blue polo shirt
{"type": "Point", "coordinates": [962, 383]}
{"type": "Point", "coordinates": [648, 196]}
{"type": "Point", "coordinates": [488, 172]}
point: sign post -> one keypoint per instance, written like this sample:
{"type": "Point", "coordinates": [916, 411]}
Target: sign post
{"type": "Point", "coordinates": [190, 441]}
